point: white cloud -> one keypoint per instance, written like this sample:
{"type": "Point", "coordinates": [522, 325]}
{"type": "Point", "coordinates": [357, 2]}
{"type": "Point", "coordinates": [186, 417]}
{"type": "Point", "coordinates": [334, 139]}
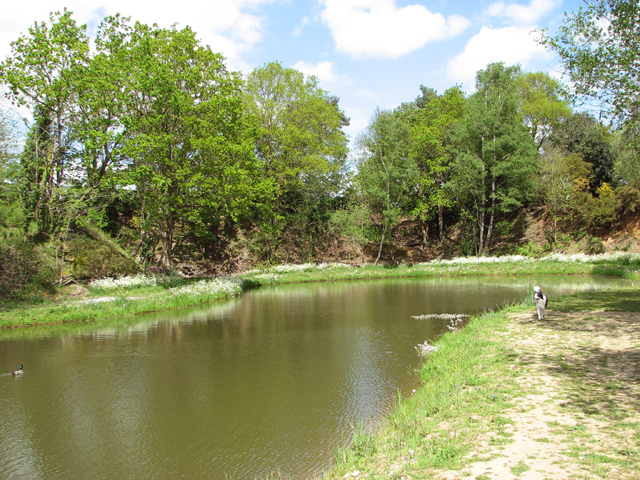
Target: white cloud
{"type": "Point", "coordinates": [521, 14]}
{"type": "Point", "coordinates": [377, 28]}
{"type": "Point", "coordinates": [511, 45]}
{"type": "Point", "coordinates": [229, 27]}
{"type": "Point", "coordinates": [297, 31]}
{"type": "Point", "coordinates": [325, 71]}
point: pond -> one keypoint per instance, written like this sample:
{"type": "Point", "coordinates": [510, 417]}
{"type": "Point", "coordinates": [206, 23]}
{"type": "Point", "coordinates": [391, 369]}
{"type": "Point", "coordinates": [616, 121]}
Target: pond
{"type": "Point", "coordinates": [275, 379]}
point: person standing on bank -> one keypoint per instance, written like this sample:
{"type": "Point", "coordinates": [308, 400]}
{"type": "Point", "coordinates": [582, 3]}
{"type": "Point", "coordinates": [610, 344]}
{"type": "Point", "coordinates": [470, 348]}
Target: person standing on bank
{"type": "Point", "coordinates": [540, 299]}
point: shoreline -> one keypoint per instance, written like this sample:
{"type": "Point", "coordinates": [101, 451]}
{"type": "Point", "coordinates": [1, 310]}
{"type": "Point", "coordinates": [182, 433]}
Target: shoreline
{"type": "Point", "coordinates": [505, 397]}
{"type": "Point", "coordinates": [148, 295]}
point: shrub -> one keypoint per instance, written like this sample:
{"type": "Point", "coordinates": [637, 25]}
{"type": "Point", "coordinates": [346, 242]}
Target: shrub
{"type": "Point", "coordinates": [91, 259]}
{"type": "Point", "coordinates": [24, 266]}
{"type": "Point", "coordinates": [594, 246]}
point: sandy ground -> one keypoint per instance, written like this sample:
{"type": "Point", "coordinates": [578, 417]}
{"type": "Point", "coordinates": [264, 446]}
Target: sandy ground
{"type": "Point", "coordinates": [581, 418]}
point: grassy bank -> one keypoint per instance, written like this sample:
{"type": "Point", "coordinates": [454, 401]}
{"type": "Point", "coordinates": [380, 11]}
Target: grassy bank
{"type": "Point", "coordinates": [468, 384]}
{"type": "Point", "coordinates": [136, 295]}
{"type": "Point", "coordinates": [481, 379]}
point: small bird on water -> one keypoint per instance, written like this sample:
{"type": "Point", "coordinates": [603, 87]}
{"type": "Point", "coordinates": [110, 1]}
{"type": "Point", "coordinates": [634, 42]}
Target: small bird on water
{"type": "Point", "coordinates": [18, 372]}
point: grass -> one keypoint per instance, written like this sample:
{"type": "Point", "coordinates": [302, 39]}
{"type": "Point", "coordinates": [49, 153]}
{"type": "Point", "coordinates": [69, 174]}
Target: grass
{"type": "Point", "coordinates": [468, 385]}
{"type": "Point", "coordinates": [120, 303]}
{"type": "Point", "coordinates": [520, 468]}
{"type": "Point", "coordinates": [469, 388]}
{"type": "Point", "coordinates": [137, 295]}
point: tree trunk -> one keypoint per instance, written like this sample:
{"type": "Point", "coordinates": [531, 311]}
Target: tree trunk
{"type": "Point", "coordinates": [481, 215]}
{"type": "Point", "coordinates": [493, 213]}
{"type": "Point", "coordinates": [441, 231]}
{"type": "Point", "coordinates": [384, 231]}
{"type": "Point", "coordinates": [425, 233]}
{"type": "Point", "coordinates": [166, 236]}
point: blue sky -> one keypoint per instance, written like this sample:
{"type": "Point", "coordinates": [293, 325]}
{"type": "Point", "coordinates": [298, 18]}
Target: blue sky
{"type": "Point", "coordinates": [370, 53]}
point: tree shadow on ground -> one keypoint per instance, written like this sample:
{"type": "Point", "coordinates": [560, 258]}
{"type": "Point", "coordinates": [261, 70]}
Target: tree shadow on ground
{"type": "Point", "coordinates": [624, 299]}
{"type": "Point", "coordinates": [599, 353]}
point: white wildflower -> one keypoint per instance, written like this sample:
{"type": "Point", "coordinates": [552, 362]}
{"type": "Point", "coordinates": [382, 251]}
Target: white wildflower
{"type": "Point", "coordinates": [139, 280]}
{"type": "Point", "coordinates": [477, 260]}
{"type": "Point", "coordinates": [267, 277]}
{"type": "Point", "coordinates": [614, 257]}
{"type": "Point", "coordinates": [209, 287]}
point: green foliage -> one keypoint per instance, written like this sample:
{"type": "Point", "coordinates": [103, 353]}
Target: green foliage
{"type": "Point", "coordinates": [626, 150]}
{"type": "Point", "coordinates": [495, 154]}
{"type": "Point", "coordinates": [582, 134]}
{"type": "Point", "coordinates": [40, 73]}
{"type": "Point", "coordinates": [542, 104]}
{"type": "Point", "coordinates": [90, 259]}
{"type": "Point", "coordinates": [430, 118]}
{"type": "Point", "coordinates": [559, 175]}
{"type": "Point", "coordinates": [300, 145]}
{"type": "Point", "coordinates": [25, 269]}
{"type": "Point", "coordinates": [386, 171]}
{"type": "Point", "coordinates": [599, 48]}
{"type": "Point", "coordinates": [352, 223]}
{"type": "Point", "coordinates": [594, 246]}
{"type": "Point", "coordinates": [596, 213]}
{"type": "Point", "coordinates": [629, 199]}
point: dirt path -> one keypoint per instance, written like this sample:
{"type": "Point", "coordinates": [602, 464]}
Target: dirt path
{"type": "Point", "coordinates": [581, 416]}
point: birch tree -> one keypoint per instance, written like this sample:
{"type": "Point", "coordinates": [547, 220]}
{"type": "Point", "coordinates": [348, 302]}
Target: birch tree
{"type": "Point", "coordinates": [495, 164]}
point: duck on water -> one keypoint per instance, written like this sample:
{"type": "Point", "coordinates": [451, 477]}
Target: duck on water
{"type": "Point", "coordinates": [18, 372]}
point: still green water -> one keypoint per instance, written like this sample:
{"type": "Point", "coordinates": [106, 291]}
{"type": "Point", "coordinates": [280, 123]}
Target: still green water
{"type": "Point", "coordinates": [272, 380]}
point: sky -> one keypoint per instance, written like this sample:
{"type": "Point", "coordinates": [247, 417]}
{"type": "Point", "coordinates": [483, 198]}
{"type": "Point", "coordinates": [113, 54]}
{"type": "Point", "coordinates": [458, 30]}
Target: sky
{"type": "Point", "coordinates": [369, 53]}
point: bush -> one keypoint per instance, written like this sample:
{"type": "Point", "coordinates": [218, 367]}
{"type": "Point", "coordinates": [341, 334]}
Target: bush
{"type": "Point", "coordinates": [24, 266]}
{"type": "Point", "coordinates": [594, 246]}
{"type": "Point", "coordinates": [91, 259]}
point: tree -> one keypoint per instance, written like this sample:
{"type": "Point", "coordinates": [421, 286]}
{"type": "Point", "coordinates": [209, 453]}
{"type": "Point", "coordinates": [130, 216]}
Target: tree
{"type": "Point", "coordinates": [598, 46]}
{"type": "Point", "coordinates": [542, 105]}
{"type": "Point", "coordinates": [386, 172]}
{"type": "Point", "coordinates": [581, 133]}
{"type": "Point", "coordinates": [352, 223]}
{"type": "Point", "coordinates": [560, 174]}
{"type": "Point", "coordinates": [495, 162]}
{"type": "Point", "coordinates": [626, 150]}
{"type": "Point", "coordinates": [11, 214]}
{"type": "Point", "coordinates": [40, 73]}
{"type": "Point", "coordinates": [300, 141]}
{"type": "Point", "coordinates": [189, 144]}
{"type": "Point", "coordinates": [430, 118]}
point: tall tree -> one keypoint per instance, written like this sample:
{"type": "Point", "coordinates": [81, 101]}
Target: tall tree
{"type": "Point", "coordinates": [542, 104]}
{"type": "Point", "coordinates": [11, 214]}
{"type": "Point", "coordinates": [41, 74]}
{"type": "Point", "coordinates": [496, 158]}
{"type": "Point", "coordinates": [599, 48]}
{"type": "Point", "coordinates": [582, 134]}
{"type": "Point", "coordinates": [300, 140]}
{"type": "Point", "coordinates": [190, 147]}
{"type": "Point", "coordinates": [561, 175]}
{"type": "Point", "coordinates": [626, 150]}
{"type": "Point", "coordinates": [386, 171]}
{"type": "Point", "coordinates": [431, 118]}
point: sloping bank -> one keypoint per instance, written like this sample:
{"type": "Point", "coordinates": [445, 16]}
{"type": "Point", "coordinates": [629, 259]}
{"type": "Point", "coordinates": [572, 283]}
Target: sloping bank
{"type": "Point", "coordinates": [576, 374]}
{"type": "Point", "coordinates": [123, 297]}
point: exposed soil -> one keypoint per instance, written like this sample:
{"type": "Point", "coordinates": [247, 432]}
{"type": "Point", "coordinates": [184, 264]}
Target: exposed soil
{"type": "Point", "coordinates": [581, 417]}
